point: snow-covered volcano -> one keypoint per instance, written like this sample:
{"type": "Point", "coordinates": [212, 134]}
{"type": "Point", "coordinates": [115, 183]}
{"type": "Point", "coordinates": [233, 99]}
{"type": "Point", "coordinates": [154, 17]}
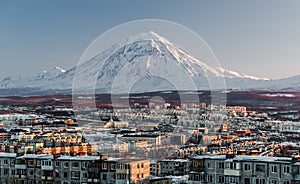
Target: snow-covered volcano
{"type": "Point", "coordinates": [142, 63]}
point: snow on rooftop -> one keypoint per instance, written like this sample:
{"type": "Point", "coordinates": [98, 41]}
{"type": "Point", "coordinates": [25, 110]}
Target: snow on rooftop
{"type": "Point", "coordinates": [78, 158]}
{"type": "Point", "coordinates": [33, 156]}
{"type": "Point", "coordinates": [263, 159]}
{"type": "Point", "coordinates": [210, 157]}
{"type": "Point", "coordinates": [8, 155]}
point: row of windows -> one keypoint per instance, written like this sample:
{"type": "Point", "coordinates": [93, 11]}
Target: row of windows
{"type": "Point", "coordinates": [73, 164]}
{"type": "Point", "coordinates": [6, 162]}
{"type": "Point", "coordinates": [112, 166]}
{"type": "Point", "coordinates": [247, 167]}
{"type": "Point", "coordinates": [138, 176]}
{"type": "Point", "coordinates": [112, 176]}
{"type": "Point", "coordinates": [74, 175]}
{"type": "Point", "coordinates": [232, 179]}
{"type": "Point", "coordinates": [121, 176]}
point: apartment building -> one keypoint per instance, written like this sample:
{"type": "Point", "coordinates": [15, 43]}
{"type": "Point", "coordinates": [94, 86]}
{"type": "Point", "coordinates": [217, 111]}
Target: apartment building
{"type": "Point", "coordinates": [176, 167]}
{"type": "Point", "coordinates": [72, 170]}
{"type": "Point", "coordinates": [207, 169]}
{"type": "Point", "coordinates": [31, 169]}
{"type": "Point", "coordinates": [244, 170]}
{"type": "Point", "coordinates": [132, 171]}
{"type": "Point", "coordinates": [152, 139]}
{"type": "Point", "coordinates": [7, 168]}
{"type": "Point", "coordinates": [102, 171]}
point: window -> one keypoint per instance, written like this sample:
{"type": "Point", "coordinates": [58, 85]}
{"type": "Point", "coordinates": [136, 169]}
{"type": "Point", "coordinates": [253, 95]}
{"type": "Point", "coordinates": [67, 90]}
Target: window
{"type": "Point", "coordinates": [142, 175]}
{"type": "Point", "coordinates": [57, 174]}
{"type": "Point", "coordinates": [84, 165]}
{"type": "Point", "coordinates": [137, 176]}
{"type": "Point", "coordinates": [85, 175]}
{"type": "Point", "coordinates": [5, 162]}
{"type": "Point", "coordinates": [65, 174]}
{"type": "Point", "coordinates": [195, 163]}
{"type": "Point", "coordinates": [209, 164]}
{"type": "Point", "coordinates": [113, 166]}
{"type": "Point", "coordinates": [260, 168]}
{"type": "Point", "coordinates": [231, 165]}
{"type": "Point", "coordinates": [121, 176]}
{"type": "Point", "coordinates": [247, 167]}
{"type": "Point", "coordinates": [5, 171]}
{"type": "Point", "coordinates": [247, 180]}
{"type": "Point", "coordinates": [274, 168]}
{"type": "Point", "coordinates": [75, 174]}
{"type": "Point", "coordinates": [46, 163]}
{"type": "Point", "coordinates": [232, 179]}
{"type": "Point", "coordinates": [104, 165]}
{"type": "Point", "coordinates": [273, 181]}
{"type": "Point", "coordinates": [75, 164]}
{"type": "Point", "coordinates": [286, 182]}
{"type": "Point", "coordinates": [286, 169]}
{"type": "Point", "coordinates": [260, 181]}
{"type": "Point", "coordinates": [66, 164]}
{"type": "Point", "coordinates": [221, 165]}
{"type": "Point", "coordinates": [30, 162]}
{"type": "Point", "coordinates": [57, 164]}
{"type": "Point", "coordinates": [104, 177]}
{"type": "Point", "coordinates": [221, 179]}
{"type": "Point", "coordinates": [209, 178]}
{"type": "Point", "coordinates": [38, 173]}
{"type": "Point", "coordinates": [138, 165]}
{"type": "Point", "coordinates": [142, 165]}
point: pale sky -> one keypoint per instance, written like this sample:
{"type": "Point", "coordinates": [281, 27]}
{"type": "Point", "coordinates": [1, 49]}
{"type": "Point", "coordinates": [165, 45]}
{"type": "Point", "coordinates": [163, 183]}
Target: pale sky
{"type": "Point", "coordinates": [260, 38]}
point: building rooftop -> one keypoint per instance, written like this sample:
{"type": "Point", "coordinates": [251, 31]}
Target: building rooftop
{"type": "Point", "coordinates": [175, 160]}
{"type": "Point", "coordinates": [210, 157]}
{"type": "Point", "coordinates": [8, 155]}
{"type": "Point", "coordinates": [33, 156]}
{"type": "Point", "coordinates": [263, 159]}
{"type": "Point", "coordinates": [127, 160]}
{"type": "Point", "coordinates": [88, 158]}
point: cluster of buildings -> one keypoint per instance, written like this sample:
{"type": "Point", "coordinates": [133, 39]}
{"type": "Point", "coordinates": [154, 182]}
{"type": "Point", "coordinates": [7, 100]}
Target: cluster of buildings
{"type": "Point", "coordinates": [48, 169]}
{"type": "Point", "coordinates": [156, 144]}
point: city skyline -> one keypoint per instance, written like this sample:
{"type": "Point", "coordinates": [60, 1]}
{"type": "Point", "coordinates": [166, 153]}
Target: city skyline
{"type": "Point", "coordinates": [257, 38]}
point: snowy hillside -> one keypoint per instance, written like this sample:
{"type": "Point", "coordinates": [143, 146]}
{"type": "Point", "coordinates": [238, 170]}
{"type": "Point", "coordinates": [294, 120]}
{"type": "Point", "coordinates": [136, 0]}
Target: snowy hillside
{"type": "Point", "coordinates": [146, 62]}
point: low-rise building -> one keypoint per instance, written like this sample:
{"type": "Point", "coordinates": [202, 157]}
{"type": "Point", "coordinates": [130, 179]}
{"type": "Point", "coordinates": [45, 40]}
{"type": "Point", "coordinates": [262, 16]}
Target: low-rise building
{"type": "Point", "coordinates": [132, 170]}
{"type": "Point", "coordinates": [176, 167]}
{"type": "Point", "coordinates": [71, 170]}
{"type": "Point", "coordinates": [7, 168]}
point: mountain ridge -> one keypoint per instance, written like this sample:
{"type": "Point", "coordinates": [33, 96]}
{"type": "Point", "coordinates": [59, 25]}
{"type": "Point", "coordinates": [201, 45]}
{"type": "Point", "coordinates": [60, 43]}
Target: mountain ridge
{"type": "Point", "coordinates": [149, 58]}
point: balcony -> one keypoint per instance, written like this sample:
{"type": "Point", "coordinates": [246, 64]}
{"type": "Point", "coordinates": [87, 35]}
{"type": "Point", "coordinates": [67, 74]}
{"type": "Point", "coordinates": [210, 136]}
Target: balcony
{"type": "Point", "coordinates": [232, 172]}
{"type": "Point", "coordinates": [96, 180]}
{"type": "Point", "coordinates": [122, 171]}
{"type": "Point", "coordinates": [43, 177]}
{"type": "Point", "coordinates": [47, 167]}
{"type": "Point", "coordinates": [49, 177]}
{"type": "Point", "coordinates": [23, 176]}
{"type": "Point", "coordinates": [296, 177]}
{"type": "Point", "coordinates": [90, 180]}
{"type": "Point", "coordinates": [20, 166]}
